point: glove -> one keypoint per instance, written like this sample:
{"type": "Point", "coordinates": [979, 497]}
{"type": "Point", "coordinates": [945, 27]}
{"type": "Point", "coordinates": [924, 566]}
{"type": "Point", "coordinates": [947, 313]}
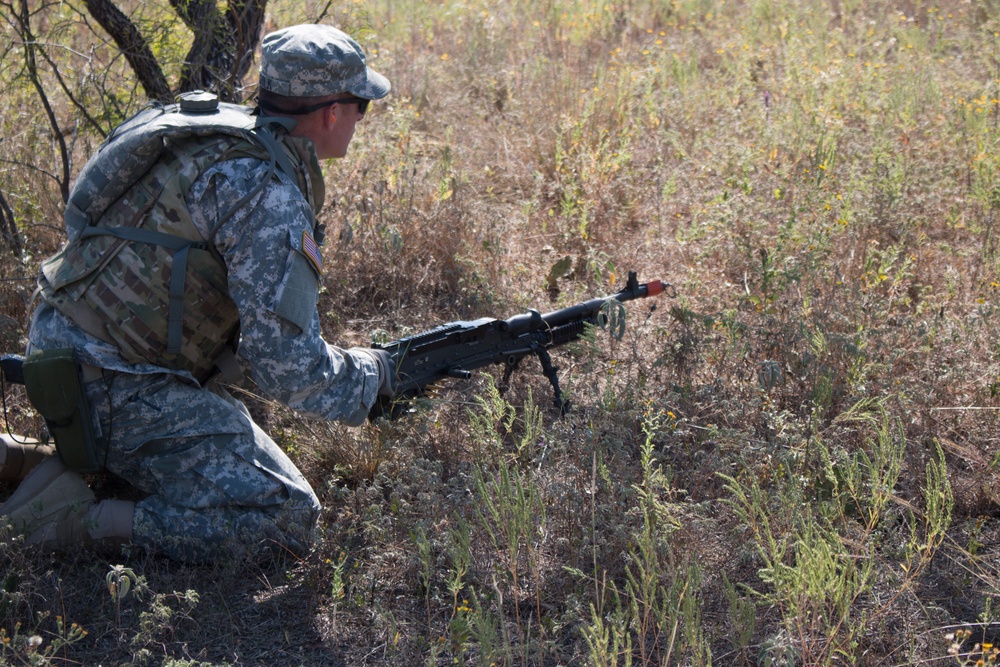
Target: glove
{"type": "Point", "coordinates": [386, 372]}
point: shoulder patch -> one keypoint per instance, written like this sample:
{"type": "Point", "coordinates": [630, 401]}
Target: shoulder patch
{"type": "Point", "coordinates": [311, 250]}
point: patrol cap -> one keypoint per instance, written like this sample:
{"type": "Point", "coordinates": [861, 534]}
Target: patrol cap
{"type": "Point", "coordinates": [312, 60]}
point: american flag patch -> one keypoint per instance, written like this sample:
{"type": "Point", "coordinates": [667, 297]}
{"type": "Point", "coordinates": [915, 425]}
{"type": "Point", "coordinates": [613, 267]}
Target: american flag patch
{"type": "Point", "coordinates": [311, 250]}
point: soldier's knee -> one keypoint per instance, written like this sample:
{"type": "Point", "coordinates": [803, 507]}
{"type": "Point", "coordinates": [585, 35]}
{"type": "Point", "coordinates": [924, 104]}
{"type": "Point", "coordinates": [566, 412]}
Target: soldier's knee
{"type": "Point", "coordinates": [295, 526]}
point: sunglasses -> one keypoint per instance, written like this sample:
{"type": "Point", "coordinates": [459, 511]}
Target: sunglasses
{"type": "Point", "coordinates": [360, 101]}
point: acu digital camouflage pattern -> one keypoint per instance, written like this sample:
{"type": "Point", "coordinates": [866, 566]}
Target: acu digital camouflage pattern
{"type": "Point", "coordinates": [317, 61]}
{"type": "Point", "coordinates": [134, 146]}
{"type": "Point", "coordinates": [218, 486]}
{"type": "Point", "coordinates": [259, 245]}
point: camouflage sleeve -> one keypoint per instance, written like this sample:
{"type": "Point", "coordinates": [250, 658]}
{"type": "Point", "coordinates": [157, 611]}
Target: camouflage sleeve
{"type": "Point", "coordinates": [274, 274]}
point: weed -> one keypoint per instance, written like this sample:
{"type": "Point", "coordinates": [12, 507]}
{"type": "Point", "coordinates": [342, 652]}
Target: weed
{"type": "Point", "coordinates": [795, 463]}
{"type": "Point", "coordinates": [30, 648]}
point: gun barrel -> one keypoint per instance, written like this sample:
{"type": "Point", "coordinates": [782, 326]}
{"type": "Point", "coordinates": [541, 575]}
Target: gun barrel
{"type": "Point", "coordinates": [590, 309]}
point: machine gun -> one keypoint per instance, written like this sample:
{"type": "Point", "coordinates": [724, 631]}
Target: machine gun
{"type": "Point", "coordinates": [458, 348]}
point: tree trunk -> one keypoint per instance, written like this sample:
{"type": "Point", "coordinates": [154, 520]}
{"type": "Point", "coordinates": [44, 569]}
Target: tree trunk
{"type": "Point", "coordinates": [224, 44]}
{"type": "Point", "coordinates": [133, 46]}
{"type": "Point", "coordinates": [220, 55]}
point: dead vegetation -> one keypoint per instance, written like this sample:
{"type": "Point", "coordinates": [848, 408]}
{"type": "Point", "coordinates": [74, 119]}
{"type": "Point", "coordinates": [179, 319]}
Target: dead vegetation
{"type": "Point", "coordinates": [792, 463]}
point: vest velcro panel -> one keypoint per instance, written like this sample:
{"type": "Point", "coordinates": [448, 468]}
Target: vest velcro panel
{"type": "Point", "coordinates": [145, 265]}
{"type": "Point", "coordinates": [136, 271]}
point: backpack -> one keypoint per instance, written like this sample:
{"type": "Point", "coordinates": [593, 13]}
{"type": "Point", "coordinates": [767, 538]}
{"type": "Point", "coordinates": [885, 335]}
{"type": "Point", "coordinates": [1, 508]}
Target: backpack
{"type": "Point", "coordinates": [136, 272]}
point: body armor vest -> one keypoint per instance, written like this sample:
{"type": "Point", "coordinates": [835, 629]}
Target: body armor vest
{"type": "Point", "coordinates": [136, 271]}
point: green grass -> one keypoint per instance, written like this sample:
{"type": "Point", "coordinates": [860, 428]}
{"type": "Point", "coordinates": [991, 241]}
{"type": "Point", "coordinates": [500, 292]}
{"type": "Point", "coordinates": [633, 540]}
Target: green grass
{"type": "Point", "coordinates": [794, 462]}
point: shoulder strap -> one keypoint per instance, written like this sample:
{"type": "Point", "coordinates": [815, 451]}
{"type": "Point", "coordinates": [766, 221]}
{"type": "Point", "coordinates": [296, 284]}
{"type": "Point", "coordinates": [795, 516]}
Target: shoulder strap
{"type": "Point", "coordinates": [262, 135]}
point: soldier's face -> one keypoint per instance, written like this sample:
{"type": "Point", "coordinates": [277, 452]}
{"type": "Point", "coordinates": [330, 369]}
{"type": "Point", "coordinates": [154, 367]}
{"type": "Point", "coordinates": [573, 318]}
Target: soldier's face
{"type": "Point", "coordinates": [342, 121]}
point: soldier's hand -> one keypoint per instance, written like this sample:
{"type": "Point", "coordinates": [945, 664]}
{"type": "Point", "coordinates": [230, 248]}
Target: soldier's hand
{"type": "Point", "coordinates": [386, 372]}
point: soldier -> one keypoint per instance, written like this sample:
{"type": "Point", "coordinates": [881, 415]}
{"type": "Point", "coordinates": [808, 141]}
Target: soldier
{"type": "Point", "coordinates": [215, 484]}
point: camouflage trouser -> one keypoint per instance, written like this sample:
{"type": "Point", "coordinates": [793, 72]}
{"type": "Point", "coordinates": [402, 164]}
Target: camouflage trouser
{"type": "Point", "coordinates": [217, 485]}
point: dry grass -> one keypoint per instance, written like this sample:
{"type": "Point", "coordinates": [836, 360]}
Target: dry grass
{"type": "Point", "coordinates": [794, 462]}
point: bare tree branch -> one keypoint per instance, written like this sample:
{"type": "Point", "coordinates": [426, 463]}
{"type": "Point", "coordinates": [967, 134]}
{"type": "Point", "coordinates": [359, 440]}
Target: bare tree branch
{"type": "Point", "coordinates": [134, 46]}
{"type": "Point", "coordinates": [246, 19]}
{"type": "Point", "coordinates": [8, 227]}
{"type": "Point", "coordinates": [23, 18]}
{"type": "Point", "coordinates": [72, 98]}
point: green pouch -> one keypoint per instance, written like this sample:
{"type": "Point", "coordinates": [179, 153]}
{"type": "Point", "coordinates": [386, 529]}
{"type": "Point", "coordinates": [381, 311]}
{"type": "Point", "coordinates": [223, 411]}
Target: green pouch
{"type": "Point", "coordinates": [52, 382]}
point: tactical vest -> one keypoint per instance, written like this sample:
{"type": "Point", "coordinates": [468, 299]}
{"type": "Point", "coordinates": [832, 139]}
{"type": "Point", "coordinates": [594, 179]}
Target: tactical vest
{"type": "Point", "coordinates": [136, 271]}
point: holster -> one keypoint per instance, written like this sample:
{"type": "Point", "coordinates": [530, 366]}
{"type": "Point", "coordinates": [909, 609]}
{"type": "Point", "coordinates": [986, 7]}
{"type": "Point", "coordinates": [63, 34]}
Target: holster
{"type": "Point", "coordinates": [53, 382]}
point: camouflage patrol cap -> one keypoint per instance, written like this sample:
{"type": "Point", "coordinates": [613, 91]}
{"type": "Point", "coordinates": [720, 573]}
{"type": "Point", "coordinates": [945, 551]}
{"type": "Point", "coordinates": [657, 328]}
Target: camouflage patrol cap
{"type": "Point", "coordinates": [315, 61]}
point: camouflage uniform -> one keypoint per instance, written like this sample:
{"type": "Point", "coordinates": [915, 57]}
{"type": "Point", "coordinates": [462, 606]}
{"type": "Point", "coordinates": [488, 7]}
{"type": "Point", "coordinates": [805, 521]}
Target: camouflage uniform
{"type": "Point", "coordinates": [216, 483]}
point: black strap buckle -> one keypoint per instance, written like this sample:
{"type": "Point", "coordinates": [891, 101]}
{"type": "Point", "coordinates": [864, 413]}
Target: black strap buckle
{"type": "Point", "coordinates": [13, 368]}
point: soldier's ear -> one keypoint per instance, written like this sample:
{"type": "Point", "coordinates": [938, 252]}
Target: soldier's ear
{"type": "Point", "coordinates": [330, 116]}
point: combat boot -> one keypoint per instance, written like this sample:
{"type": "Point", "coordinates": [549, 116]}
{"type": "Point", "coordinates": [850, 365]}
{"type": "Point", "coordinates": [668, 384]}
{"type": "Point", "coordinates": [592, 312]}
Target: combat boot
{"type": "Point", "coordinates": [18, 456]}
{"type": "Point", "coordinates": [108, 522]}
{"type": "Point", "coordinates": [51, 493]}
